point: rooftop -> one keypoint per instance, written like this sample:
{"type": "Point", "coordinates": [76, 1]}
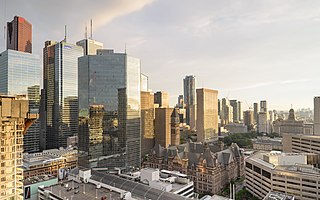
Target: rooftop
{"type": "Point", "coordinates": [278, 196]}
{"type": "Point", "coordinates": [38, 179]}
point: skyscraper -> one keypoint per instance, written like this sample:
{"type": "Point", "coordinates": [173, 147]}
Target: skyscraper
{"type": "Point", "coordinates": [175, 128]}
{"type": "Point", "coordinates": [248, 119]}
{"type": "Point", "coordinates": [60, 82]}
{"type": "Point", "coordinates": [207, 114]}
{"type": "Point", "coordinates": [162, 129]}
{"type": "Point", "coordinates": [113, 80]}
{"type": "Point", "coordinates": [20, 75]}
{"type": "Point", "coordinates": [263, 106]}
{"type": "Point", "coordinates": [189, 93]}
{"type": "Point", "coordinates": [144, 83]}
{"type": "Point", "coordinates": [19, 35]}
{"type": "Point", "coordinates": [90, 46]}
{"type": "Point", "coordinates": [147, 122]}
{"type": "Point", "coordinates": [235, 109]}
{"type": "Point", "coordinates": [161, 98]}
{"type": "Point", "coordinates": [255, 112]}
{"type": "Point", "coordinates": [316, 126]}
{"type": "Point", "coordinates": [15, 120]}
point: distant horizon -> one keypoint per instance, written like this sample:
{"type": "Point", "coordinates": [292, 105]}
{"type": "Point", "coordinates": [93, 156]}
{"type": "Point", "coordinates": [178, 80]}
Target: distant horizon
{"type": "Point", "coordinates": [249, 51]}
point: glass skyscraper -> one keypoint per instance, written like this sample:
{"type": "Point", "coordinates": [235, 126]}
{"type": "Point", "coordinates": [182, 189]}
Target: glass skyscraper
{"type": "Point", "coordinates": [113, 80]}
{"type": "Point", "coordinates": [20, 75]}
{"type": "Point", "coordinates": [189, 93]}
{"type": "Point", "coordinates": [60, 82]}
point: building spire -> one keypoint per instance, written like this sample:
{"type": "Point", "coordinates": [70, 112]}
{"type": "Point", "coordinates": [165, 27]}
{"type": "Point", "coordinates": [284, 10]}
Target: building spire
{"type": "Point", "coordinates": [91, 29]}
{"type": "Point", "coordinates": [86, 32]}
{"type": "Point", "coordinates": [65, 33]}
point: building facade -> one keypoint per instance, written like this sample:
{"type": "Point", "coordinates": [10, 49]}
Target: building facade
{"type": "Point", "coordinates": [207, 114]}
{"type": "Point", "coordinates": [90, 46]}
{"type": "Point", "coordinates": [162, 99]}
{"type": "Point", "coordinates": [300, 143]}
{"type": "Point", "coordinates": [147, 122]}
{"type": "Point", "coordinates": [290, 125]}
{"type": "Point", "coordinates": [316, 126]}
{"type": "Point", "coordinates": [113, 80]}
{"type": "Point", "coordinates": [162, 129]}
{"type": "Point", "coordinates": [19, 35]}
{"type": "Point", "coordinates": [15, 120]}
{"type": "Point", "coordinates": [189, 94]}
{"type": "Point", "coordinates": [60, 82]}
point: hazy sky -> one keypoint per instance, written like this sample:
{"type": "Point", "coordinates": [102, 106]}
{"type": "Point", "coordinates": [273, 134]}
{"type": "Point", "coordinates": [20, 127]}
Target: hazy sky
{"type": "Point", "coordinates": [247, 49]}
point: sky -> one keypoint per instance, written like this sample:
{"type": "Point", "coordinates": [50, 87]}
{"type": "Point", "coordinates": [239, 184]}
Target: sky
{"type": "Point", "coordinates": [246, 49]}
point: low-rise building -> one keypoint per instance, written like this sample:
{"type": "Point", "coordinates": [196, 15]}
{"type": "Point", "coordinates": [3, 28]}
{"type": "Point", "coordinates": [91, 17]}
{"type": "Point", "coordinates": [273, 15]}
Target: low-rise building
{"type": "Point", "coordinates": [289, 173]}
{"type": "Point", "coordinates": [236, 128]}
{"type": "Point", "coordinates": [49, 162]}
{"type": "Point", "coordinates": [301, 143]}
{"type": "Point", "coordinates": [209, 166]}
{"type": "Point", "coordinates": [267, 144]}
{"type": "Point", "coordinates": [278, 196]}
{"type": "Point", "coordinates": [30, 185]}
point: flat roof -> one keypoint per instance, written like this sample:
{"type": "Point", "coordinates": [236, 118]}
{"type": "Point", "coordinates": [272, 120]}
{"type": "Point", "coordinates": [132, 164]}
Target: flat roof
{"type": "Point", "coordinates": [90, 191]}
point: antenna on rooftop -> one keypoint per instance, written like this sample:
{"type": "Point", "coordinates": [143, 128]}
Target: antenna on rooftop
{"type": "Point", "coordinates": [65, 33]}
{"type": "Point", "coordinates": [86, 32]}
{"type": "Point", "coordinates": [91, 29]}
{"type": "Point", "coordinates": [125, 47]}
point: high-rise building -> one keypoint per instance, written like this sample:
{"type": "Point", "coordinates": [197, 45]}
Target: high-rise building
{"type": "Point", "coordinates": [263, 106]}
{"type": "Point", "coordinates": [20, 75]}
{"type": "Point", "coordinates": [255, 112]}
{"type": "Point", "coordinates": [90, 46]}
{"type": "Point", "coordinates": [113, 80]}
{"type": "Point", "coordinates": [175, 128]}
{"type": "Point", "coordinates": [189, 93]}
{"type": "Point", "coordinates": [144, 83]}
{"type": "Point", "coordinates": [207, 114]}
{"type": "Point", "coordinates": [60, 82]}
{"type": "Point", "coordinates": [15, 120]}
{"type": "Point", "coordinates": [162, 131]}
{"type": "Point", "coordinates": [147, 122]}
{"type": "Point", "coordinates": [19, 35]}
{"type": "Point", "coordinates": [180, 103]}
{"type": "Point", "coordinates": [240, 111]}
{"type": "Point", "coordinates": [316, 126]}
{"type": "Point", "coordinates": [248, 119]}
{"type": "Point", "coordinates": [161, 98]}
{"type": "Point", "coordinates": [236, 110]}
{"type": "Point", "coordinates": [226, 113]}
{"type": "Point", "coordinates": [91, 137]}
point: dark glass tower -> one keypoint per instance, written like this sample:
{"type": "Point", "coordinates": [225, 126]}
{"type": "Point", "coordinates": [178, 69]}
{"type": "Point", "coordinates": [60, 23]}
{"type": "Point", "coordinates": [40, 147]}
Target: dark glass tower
{"type": "Point", "coordinates": [19, 35]}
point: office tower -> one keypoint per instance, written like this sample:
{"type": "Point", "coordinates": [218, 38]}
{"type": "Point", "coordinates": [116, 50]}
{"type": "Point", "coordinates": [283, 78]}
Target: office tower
{"type": "Point", "coordinates": [236, 108]}
{"type": "Point", "coordinates": [316, 126]}
{"type": "Point", "coordinates": [263, 123]}
{"type": "Point", "coordinates": [207, 114]}
{"type": "Point", "coordinates": [189, 93]}
{"type": "Point", "coordinates": [162, 129]}
{"type": "Point", "coordinates": [91, 137]}
{"type": "Point", "coordinates": [263, 106]}
{"type": "Point", "coordinates": [113, 80]}
{"type": "Point", "coordinates": [19, 35]}
{"type": "Point", "coordinates": [175, 128]}
{"type": "Point", "coordinates": [20, 75]}
{"type": "Point", "coordinates": [90, 46]}
{"type": "Point", "coordinates": [226, 113]}
{"type": "Point", "coordinates": [15, 120]}
{"type": "Point", "coordinates": [60, 82]}
{"type": "Point", "coordinates": [161, 98]}
{"type": "Point", "coordinates": [147, 122]}
{"type": "Point", "coordinates": [248, 119]}
{"type": "Point", "coordinates": [180, 103]}
{"type": "Point", "coordinates": [219, 107]}
{"type": "Point", "coordinates": [144, 83]}
{"type": "Point", "coordinates": [255, 112]}
{"type": "Point", "coordinates": [240, 111]}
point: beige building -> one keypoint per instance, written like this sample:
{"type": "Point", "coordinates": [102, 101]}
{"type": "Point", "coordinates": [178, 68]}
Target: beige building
{"type": "Point", "coordinates": [147, 122]}
{"type": "Point", "coordinates": [49, 162]}
{"type": "Point", "coordinates": [248, 119]}
{"type": "Point", "coordinates": [15, 120]}
{"type": "Point", "coordinates": [290, 125]}
{"type": "Point", "coordinates": [162, 126]}
{"type": "Point", "coordinates": [207, 114]}
{"type": "Point", "coordinates": [267, 144]}
{"type": "Point", "coordinates": [161, 98]}
{"type": "Point", "coordinates": [301, 143]}
{"type": "Point", "coordinates": [291, 174]}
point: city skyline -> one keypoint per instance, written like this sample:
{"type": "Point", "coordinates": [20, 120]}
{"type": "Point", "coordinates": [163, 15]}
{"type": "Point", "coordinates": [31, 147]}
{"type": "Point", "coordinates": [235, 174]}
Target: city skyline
{"type": "Point", "coordinates": [247, 50]}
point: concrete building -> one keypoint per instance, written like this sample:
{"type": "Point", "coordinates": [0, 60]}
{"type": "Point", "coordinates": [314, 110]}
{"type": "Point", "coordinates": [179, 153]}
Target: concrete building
{"type": "Point", "coordinates": [226, 113]}
{"type": "Point", "coordinates": [15, 120]}
{"type": "Point", "coordinates": [90, 46]}
{"type": "Point", "coordinates": [236, 128]}
{"type": "Point", "coordinates": [175, 127]}
{"type": "Point", "coordinates": [278, 196]}
{"type": "Point", "coordinates": [114, 80]}
{"type": "Point", "coordinates": [237, 114]}
{"type": "Point", "coordinates": [263, 106]}
{"type": "Point", "coordinates": [49, 162]}
{"type": "Point", "coordinates": [20, 75]}
{"type": "Point", "coordinates": [19, 35]}
{"type": "Point", "coordinates": [316, 118]}
{"type": "Point", "coordinates": [147, 122]}
{"type": "Point", "coordinates": [60, 82]}
{"type": "Point", "coordinates": [207, 114]}
{"type": "Point", "coordinates": [209, 166]}
{"type": "Point", "coordinates": [290, 173]}
{"type": "Point", "coordinates": [248, 119]}
{"type": "Point", "coordinates": [264, 125]}
{"type": "Point", "coordinates": [189, 93]}
{"type": "Point", "coordinates": [255, 112]}
{"type": "Point", "coordinates": [162, 130]}
{"type": "Point", "coordinates": [267, 144]}
{"type": "Point", "coordinates": [161, 98]}
{"type": "Point", "coordinates": [300, 143]}
{"type": "Point", "coordinates": [91, 137]}
{"type": "Point", "coordinates": [290, 125]}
